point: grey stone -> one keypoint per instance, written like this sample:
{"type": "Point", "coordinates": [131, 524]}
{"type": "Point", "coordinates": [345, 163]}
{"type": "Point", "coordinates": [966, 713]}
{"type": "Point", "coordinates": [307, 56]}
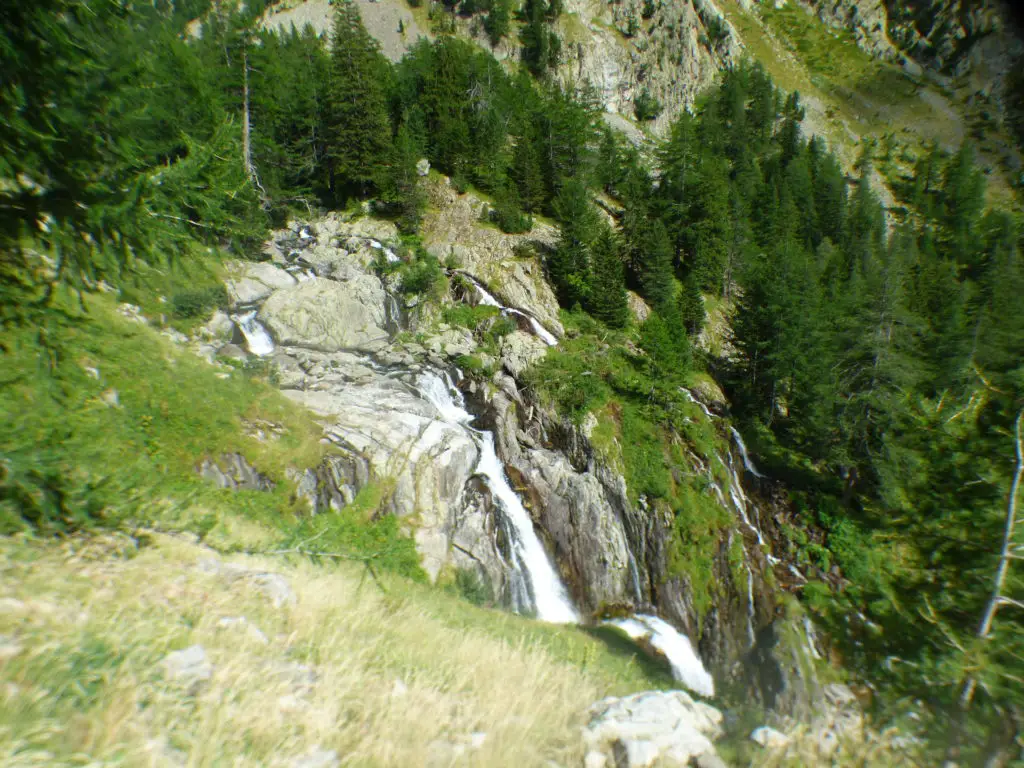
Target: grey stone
{"type": "Point", "coordinates": [188, 668]}
{"type": "Point", "coordinates": [235, 472]}
{"type": "Point", "coordinates": [656, 727]}
{"type": "Point", "coordinates": [422, 167]}
{"type": "Point", "coordinates": [710, 760]}
{"type": "Point", "coordinates": [329, 316]}
{"type": "Point", "coordinates": [769, 738]}
{"type": "Point", "coordinates": [219, 327]}
{"type": "Point", "coordinates": [520, 350]}
{"type": "Point", "coordinates": [271, 585]}
{"type": "Point", "coordinates": [232, 352]}
{"type": "Point", "coordinates": [252, 282]}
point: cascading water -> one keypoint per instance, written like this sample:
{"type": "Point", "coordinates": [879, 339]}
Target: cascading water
{"type": "Point", "coordinates": [534, 583]}
{"type": "Point", "coordinates": [550, 599]}
{"type": "Point", "coordinates": [549, 594]}
{"type": "Point", "coordinates": [488, 300]}
{"type": "Point", "coordinates": [686, 666]}
{"type": "Point", "coordinates": [747, 463]}
{"type": "Point", "coordinates": [256, 337]}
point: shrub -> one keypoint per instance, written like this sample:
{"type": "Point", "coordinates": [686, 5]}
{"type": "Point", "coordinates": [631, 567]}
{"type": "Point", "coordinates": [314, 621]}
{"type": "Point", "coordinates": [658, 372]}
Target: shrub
{"type": "Point", "coordinates": [646, 106]}
{"type": "Point", "coordinates": [198, 302]}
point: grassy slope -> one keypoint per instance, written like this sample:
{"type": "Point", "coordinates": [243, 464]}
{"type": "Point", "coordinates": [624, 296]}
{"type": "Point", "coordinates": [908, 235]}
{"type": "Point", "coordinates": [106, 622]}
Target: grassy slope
{"type": "Point", "coordinates": [94, 617]}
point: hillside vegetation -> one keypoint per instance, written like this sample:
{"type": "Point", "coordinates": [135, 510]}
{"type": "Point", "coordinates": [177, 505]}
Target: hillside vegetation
{"type": "Point", "coordinates": [873, 361]}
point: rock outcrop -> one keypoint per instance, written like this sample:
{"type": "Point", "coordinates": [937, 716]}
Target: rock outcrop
{"type": "Point", "coordinates": [654, 728]}
{"type": "Point", "coordinates": [328, 315]}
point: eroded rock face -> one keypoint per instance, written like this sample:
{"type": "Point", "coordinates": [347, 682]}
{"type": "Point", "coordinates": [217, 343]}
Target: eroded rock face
{"type": "Point", "coordinates": [328, 315]}
{"type": "Point", "coordinates": [673, 54]}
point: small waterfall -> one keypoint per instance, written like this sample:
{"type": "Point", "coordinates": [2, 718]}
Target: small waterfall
{"type": "Point", "coordinates": [747, 463]}
{"type": "Point", "coordinates": [256, 337]}
{"type": "Point", "coordinates": [549, 594]}
{"type": "Point", "coordinates": [389, 254]}
{"type": "Point", "coordinates": [550, 598]}
{"type": "Point", "coordinates": [488, 300]}
{"type": "Point", "coordinates": [686, 666]}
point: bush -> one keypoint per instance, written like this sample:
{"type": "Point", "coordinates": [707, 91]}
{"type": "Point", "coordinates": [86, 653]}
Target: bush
{"type": "Point", "coordinates": [198, 302]}
{"type": "Point", "coordinates": [646, 106]}
{"type": "Point", "coordinates": [422, 274]}
{"type": "Point", "coordinates": [511, 220]}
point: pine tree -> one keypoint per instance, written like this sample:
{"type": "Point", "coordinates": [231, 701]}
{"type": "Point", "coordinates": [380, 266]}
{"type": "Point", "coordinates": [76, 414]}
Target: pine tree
{"type": "Point", "coordinates": [657, 276]}
{"type": "Point", "coordinates": [359, 128]}
{"type": "Point", "coordinates": [498, 21]}
{"type": "Point", "coordinates": [606, 296]}
{"type": "Point", "coordinates": [569, 266]}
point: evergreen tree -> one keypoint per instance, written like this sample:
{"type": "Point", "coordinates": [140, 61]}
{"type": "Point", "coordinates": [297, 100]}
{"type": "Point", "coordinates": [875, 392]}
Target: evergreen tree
{"type": "Point", "coordinates": [359, 128]}
{"type": "Point", "coordinates": [569, 265]}
{"type": "Point", "coordinates": [606, 294]}
{"type": "Point", "coordinates": [657, 276]}
{"type": "Point", "coordinates": [498, 21]}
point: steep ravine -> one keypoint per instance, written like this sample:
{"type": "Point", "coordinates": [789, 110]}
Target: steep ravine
{"type": "Point", "coordinates": [410, 427]}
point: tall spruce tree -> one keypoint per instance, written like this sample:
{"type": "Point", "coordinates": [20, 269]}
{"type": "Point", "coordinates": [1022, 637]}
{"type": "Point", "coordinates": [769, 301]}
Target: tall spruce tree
{"type": "Point", "coordinates": [359, 129]}
{"type": "Point", "coordinates": [606, 295]}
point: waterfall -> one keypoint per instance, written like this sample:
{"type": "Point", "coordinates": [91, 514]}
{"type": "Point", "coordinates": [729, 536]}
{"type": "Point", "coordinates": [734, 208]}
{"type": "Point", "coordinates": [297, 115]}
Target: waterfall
{"type": "Point", "coordinates": [534, 583]}
{"type": "Point", "coordinates": [389, 254]}
{"type": "Point", "coordinates": [750, 598]}
{"type": "Point", "coordinates": [530, 562]}
{"type": "Point", "coordinates": [549, 594]}
{"type": "Point", "coordinates": [686, 666]}
{"type": "Point", "coordinates": [256, 337]}
{"type": "Point", "coordinates": [488, 300]}
{"type": "Point", "coordinates": [747, 463]}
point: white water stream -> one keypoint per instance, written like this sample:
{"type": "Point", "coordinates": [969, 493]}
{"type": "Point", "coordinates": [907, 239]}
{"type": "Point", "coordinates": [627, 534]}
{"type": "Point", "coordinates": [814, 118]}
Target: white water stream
{"type": "Point", "coordinates": [534, 582]}
{"type": "Point", "coordinates": [549, 597]}
{"type": "Point", "coordinates": [686, 666]}
{"type": "Point", "coordinates": [256, 337]}
{"type": "Point", "coordinates": [488, 300]}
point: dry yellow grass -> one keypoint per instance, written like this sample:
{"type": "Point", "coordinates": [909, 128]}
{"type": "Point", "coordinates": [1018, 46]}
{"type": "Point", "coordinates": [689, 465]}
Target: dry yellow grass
{"type": "Point", "coordinates": [397, 682]}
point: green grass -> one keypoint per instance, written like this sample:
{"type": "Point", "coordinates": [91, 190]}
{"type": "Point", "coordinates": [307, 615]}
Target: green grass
{"type": "Point", "coordinates": [106, 422]}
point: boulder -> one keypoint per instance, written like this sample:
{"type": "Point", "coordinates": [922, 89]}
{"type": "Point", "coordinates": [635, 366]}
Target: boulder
{"type": "Point", "coordinates": [520, 350]}
{"type": "Point", "coordinates": [327, 315]}
{"type": "Point", "coordinates": [665, 728]}
{"type": "Point", "coordinates": [769, 738]}
{"type": "Point", "coordinates": [188, 668]}
{"type": "Point", "coordinates": [422, 167]}
{"type": "Point", "coordinates": [452, 343]}
{"type": "Point", "coordinates": [271, 585]}
{"type": "Point", "coordinates": [252, 282]}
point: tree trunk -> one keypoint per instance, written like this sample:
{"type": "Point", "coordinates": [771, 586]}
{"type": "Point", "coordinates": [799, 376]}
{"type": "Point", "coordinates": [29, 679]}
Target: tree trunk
{"type": "Point", "coordinates": [250, 167]}
{"type": "Point", "coordinates": [985, 627]}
